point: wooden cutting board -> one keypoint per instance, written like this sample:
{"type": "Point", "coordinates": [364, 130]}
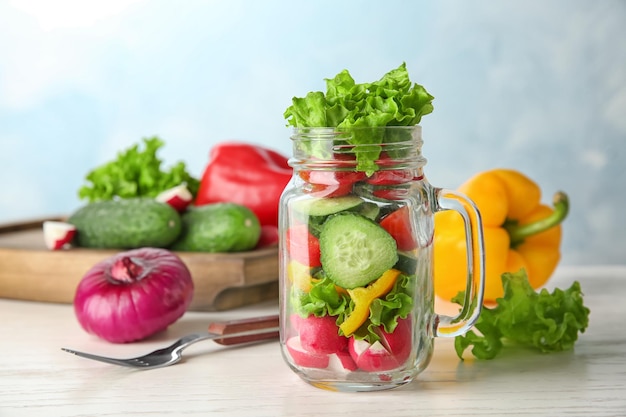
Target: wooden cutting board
{"type": "Point", "coordinates": [222, 281]}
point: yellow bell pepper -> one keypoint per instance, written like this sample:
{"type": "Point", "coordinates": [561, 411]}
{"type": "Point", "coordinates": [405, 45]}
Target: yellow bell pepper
{"type": "Point", "coordinates": [300, 276]}
{"type": "Point", "coordinates": [519, 232]}
{"type": "Point", "coordinates": [363, 298]}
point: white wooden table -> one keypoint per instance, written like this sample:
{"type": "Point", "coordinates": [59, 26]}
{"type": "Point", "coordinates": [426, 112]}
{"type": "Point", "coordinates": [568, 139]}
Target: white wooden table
{"type": "Point", "coordinates": [38, 379]}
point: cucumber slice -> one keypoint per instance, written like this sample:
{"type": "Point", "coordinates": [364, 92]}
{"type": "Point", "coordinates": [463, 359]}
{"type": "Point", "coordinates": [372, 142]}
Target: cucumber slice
{"type": "Point", "coordinates": [315, 211]}
{"type": "Point", "coordinates": [369, 210]}
{"type": "Point", "coordinates": [407, 263]}
{"type": "Point", "coordinates": [355, 250]}
{"type": "Point", "coordinates": [322, 207]}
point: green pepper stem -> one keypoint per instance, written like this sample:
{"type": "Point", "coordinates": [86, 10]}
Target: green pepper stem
{"type": "Point", "coordinates": [518, 233]}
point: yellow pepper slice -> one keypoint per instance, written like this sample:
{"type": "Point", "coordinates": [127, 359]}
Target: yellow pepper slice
{"type": "Point", "coordinates": [363, 298]}
{"type": "Point", "coordinates": [519, 232]}
{"type": "Point", "coordinates": [300, 276]}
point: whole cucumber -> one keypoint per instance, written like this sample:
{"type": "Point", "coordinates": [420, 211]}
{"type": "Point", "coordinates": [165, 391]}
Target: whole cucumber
{"type": "Point", "coordinates": [125, 224]}
{"type": "Point", "coordinates": [218, 227]}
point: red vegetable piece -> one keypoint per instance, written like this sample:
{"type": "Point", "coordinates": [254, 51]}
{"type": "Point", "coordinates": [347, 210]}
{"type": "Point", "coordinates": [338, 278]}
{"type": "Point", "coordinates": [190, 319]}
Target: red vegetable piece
{"type": "Point", "coordinates": [178, 197]}
{"type": "Point", "coordinates": [398, 225]}
{"type": "Point", "coordinates": [302, 246]}
{"type": "Point", "coordinates": [302, 357]}
{"type": "Point", "coordinates": [391, 177]}
{"type": "Point", "coordinates": [269, 236]}
{"type": "Point", "coordinates": [389, 353]}
{"type": "Point", "coordinates": [246, 174]}
{"type": "Point", "coordinates": [58, 235]}
{"type": "Point", "coordinates": [320, 334]}
{"type": "Point", "coordinates": [344, 359]}
{"type": "Point", "coordinates": [330, 183]}
{"type": "Point", "coordinates": [134, 294]}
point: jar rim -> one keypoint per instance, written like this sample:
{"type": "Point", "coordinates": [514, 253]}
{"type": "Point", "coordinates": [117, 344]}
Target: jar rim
{"type": "Point", "coordinates": [387, 134]}
{"type": "Point", "coordinates": [358, 148]}
{"type": "Point", "coordinates": [336, 129]}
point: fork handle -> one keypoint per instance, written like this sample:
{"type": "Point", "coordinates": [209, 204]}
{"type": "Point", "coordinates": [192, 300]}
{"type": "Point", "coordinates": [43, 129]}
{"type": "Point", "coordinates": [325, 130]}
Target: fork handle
{"type": "Point", "coordinates": [268, 323]}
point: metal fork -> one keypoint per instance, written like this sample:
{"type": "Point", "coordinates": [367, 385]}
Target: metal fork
{"type": "Point", "coordinates": [226, 333]}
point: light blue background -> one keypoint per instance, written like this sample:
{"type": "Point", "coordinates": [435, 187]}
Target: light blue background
{"type": "Point", "coordinates": [539, 86]}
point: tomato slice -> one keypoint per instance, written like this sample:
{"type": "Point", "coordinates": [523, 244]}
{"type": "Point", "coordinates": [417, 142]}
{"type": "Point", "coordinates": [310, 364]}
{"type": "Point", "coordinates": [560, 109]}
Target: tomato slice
{"type": "Point", "coordinates": [391, 177]}
{"type": "Point", "coordinates": [398, 225]}
{"type": "Point", "coordinates": [302, 246]}
{"type": "Point", "coordinates": [388, 176]}
{"type": "Point", "coordinates": [331, 183]}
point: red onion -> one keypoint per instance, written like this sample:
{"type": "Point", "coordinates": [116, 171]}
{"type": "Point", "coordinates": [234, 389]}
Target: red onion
{"type": "Point", "coordinates": [133, 294]}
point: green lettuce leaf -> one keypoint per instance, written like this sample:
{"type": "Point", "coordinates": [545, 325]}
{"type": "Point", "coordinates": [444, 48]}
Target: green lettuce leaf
{"type": "Point", "coordinates": [136, 173]}
{"type": "Point", "coordinates": [391, 101]}
{"type": "Point", "coordinates": [321, 300]}
{"type": "Point", "coordinates": [549, 322]}
{"type": "Point", "coordinates": [385, 312]}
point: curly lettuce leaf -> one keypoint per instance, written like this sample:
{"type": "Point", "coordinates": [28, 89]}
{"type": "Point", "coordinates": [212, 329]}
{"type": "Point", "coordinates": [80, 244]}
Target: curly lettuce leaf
{"type": "Point", "coordinates": [136, 173]}
{"type": "Point", "coordinates": [310, 108]}
{"type": "Point", "coordinates": [386, 311]}
{"type": "Point", "coordinates": [391, 101]}
{"type": "Point", "coordinates": [549, 322]}
{"type": "Point", "coordinates": [321, 300]}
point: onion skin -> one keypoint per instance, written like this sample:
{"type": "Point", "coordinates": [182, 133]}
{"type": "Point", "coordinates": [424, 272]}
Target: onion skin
{"type": "Point", "coordinates": [133, 295]}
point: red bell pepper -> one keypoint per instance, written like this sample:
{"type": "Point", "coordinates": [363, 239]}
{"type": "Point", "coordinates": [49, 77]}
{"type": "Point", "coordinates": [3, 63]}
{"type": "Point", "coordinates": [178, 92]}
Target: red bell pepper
{"type": "Point", "coordinates": [246, 174]}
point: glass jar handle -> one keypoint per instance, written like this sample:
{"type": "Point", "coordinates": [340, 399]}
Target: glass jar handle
{"type": "Point", "coordinates": [451, 326]}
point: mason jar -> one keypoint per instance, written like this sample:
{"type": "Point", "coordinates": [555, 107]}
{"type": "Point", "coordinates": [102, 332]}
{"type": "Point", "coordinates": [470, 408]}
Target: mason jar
{"type": "Point", "coordinates": [356, 259]}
